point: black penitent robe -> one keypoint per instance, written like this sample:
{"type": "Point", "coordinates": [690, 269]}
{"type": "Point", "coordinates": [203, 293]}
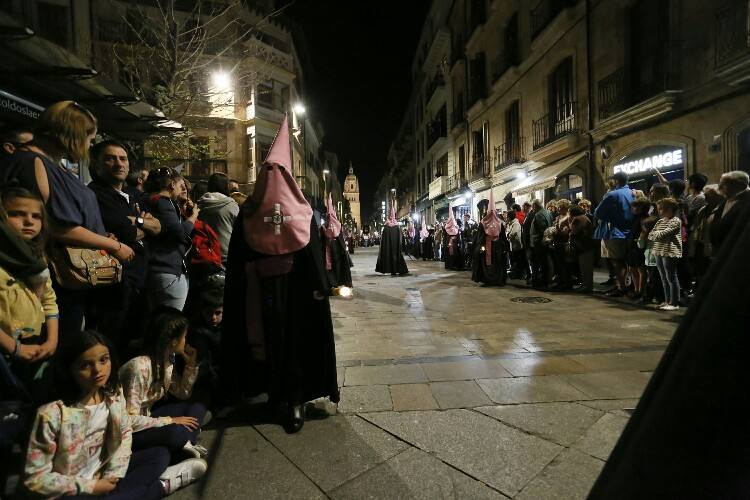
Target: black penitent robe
{"type": "Point", "coordinates": [390, 256]}
{"type": "Point", "coordinates": [689, 436]}
{"type": "Point", "coordinates": [269, 299]}
{"type": "Point", "coordinates": [428, 252]}
{"type": "Point", "coordinates": [454, 259]}
{"type": "Point", "coordinates": [340, 273]}
{"type": "Point", "coordinates": [495, 273]}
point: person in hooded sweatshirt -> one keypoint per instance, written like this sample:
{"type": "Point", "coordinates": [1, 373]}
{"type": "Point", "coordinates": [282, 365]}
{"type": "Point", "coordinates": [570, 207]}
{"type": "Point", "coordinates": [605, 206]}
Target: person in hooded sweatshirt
{"type": "Point", "coordinates": [219, 210]}
{"type": "Point", "coordinates": [454, 256]}
{"type": "Point", "coordinates": [489, 263]}
{"type": "Point", "coordinates": [390, 256]}
{"type": "Point", "coordinates": [337, 258]}
{"type": "Point", "coordinates": [277, 333]}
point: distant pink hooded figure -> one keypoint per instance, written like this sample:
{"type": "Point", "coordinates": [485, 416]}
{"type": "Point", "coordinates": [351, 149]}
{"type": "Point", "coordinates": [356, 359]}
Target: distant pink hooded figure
{"type": "Point", "coordinates": [281, 223]}
{"type": "Point", "coordinates": [451, 228]}
{"type": "Point", "coordinates": [392, 215]}
{"type": "Point", "coordinates": [423, 234]}
{"type": "Point", "coordinates": [492, 227]}
{"type": "Point", "coordinates": [331, 230]}
{"type": "Point", "coordinates": [412, 231]}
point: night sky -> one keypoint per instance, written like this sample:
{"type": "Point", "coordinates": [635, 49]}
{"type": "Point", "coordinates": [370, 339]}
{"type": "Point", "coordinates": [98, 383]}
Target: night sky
{"type": "Point", "coordinates": [360, 79]}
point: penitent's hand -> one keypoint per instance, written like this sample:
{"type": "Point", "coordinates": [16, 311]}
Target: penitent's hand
{"type": "Point", "coordinates": [190, 423]}
{"type": "Point", "coordinates": [104, 486]}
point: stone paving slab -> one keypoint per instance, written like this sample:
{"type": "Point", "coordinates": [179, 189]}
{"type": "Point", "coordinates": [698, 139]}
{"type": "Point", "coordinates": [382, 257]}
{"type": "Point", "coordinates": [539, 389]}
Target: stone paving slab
{"type": "Point", "coordinates": [569, 476]}
{"type": "Point", "coordinates": [242, 464]}
{"type": "Point", "coordinates": [562, 423]}
{"type": "Point", "coordinates": [390, 374]}
{"type": "Point", "coordinates": [541, 365]}
{"type": "Point", "coordinates": [602, 436]}
{"type": "Point", "coordinates": [464, 370]}
{"type": "Point", "coordinates": [407, 397]}
{"type": "Point", "coordinates": [364, 398]}
{"type": "Point", "coordinates": [414, 474]}
{"type": "Point", "coordinates": [611, 385]}
{"type": "Point", "coordinates": [635, 361]}
{"type": "Point", "coordinates": [502, 457]}
{"type": "Point", "coordinates": [459, 394]}
{"type": "Point", "coordinates": [334, 450]}
{"type": "Point", "coordinates": [531, 390]}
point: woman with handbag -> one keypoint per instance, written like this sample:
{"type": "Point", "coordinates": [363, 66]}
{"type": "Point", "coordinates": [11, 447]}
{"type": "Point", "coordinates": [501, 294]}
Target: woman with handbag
{"type": "Point", "coordinates": [167, 271]}
{"type": "Point", "coordinates": [559, 247]}
{"type": "Point", "coordinates": [62, 137]}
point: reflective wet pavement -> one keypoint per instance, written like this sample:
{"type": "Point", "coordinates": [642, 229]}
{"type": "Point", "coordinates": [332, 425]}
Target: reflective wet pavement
{"type": "Point", "coordinates": [454, 390]}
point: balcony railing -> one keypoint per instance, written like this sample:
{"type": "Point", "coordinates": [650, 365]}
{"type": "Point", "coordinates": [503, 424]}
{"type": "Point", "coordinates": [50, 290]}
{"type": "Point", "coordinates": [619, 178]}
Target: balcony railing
{"type": "Point", "coordinates": [438, 186]}
{"type": "Point", "coordinates": [480, 168]}
{"type": "Point", "coordinates": [545, 12]}
{"type": "Point", "coordinates": [436, 129]}
{"type": "Point", "coordinates": [560, 122]}
{"type": "Point", "coordinates": [509, 153]}
{"type": "Point", "coordinates": [437, 82]}
{"type": "Point", "coordinates": [612, 94]}
{"type": "Point", "coordinates": [731, 32]}
{"type": "Point", "coordinates": [455, 182]}
{"type": "Point", "coordinates": [269, 54]}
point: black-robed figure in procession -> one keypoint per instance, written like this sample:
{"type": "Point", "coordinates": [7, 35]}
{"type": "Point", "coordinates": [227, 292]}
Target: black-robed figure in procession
{"type": "Point", "coordinates": [277, 333]}
{"type": "Point", "coordinates": [390, 255]}
{"type": "Point", "coordinates": [489, 248]}
{"type": "Point", "coordinates": [426, 240]}
{"type": "Point", "coordinates": [337, 260]}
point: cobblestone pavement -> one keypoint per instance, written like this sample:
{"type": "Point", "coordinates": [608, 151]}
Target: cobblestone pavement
{"type": "Point", "coordinates": [453, 390]}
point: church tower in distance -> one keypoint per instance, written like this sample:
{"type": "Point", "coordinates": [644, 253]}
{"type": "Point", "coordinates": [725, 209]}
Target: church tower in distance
{"type": "Point", "coordinates": [351, 193]}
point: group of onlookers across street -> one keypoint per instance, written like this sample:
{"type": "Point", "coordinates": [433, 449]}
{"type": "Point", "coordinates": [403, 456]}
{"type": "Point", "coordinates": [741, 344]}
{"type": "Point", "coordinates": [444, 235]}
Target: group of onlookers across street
{"type": "Point", "coordinates": [656, 245]}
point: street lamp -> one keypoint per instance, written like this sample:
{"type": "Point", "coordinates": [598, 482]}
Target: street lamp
{"type": "Point", "coordinates": [222, 81]}
{"type": "Point", "coordinates": [325, 185]}
{"type": "Point", "coordinates": [299, 109]}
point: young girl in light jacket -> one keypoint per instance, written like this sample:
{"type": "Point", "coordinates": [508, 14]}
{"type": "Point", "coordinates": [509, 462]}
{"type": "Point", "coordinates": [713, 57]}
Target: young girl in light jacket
{"type": "Point", "coordinates": [80, 444]}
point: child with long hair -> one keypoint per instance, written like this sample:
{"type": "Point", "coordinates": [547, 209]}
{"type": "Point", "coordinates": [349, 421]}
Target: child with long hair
{"type": "Point", "coordinates": [28, 306]}
{"type": "Point", "coordinates": [150, 378]}
{"type": "Point", "coordinates": [81, 443]}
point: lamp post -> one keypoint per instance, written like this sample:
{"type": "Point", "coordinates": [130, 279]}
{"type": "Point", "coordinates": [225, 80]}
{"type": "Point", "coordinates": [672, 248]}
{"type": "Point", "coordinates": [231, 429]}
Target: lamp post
{"type": "Point", "coordinates": [325, 185]}
{"type": "Point", "coordinates": [300, 111]}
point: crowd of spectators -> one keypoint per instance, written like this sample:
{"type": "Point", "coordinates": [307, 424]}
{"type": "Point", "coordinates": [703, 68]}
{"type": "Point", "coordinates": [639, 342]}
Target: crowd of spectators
{"type": "Point", "coordinates": [73, 421]}
{"type": "Point", "coordinates": [657, 245]}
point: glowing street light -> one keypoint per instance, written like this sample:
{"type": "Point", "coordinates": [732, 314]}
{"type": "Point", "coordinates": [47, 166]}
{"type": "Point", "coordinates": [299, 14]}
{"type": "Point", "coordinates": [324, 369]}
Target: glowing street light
{"type": "Point", "coordinates": [299, 109]}
{"type": "Point", "coordinates": [222, 81]}
{"type": "Point", "coordinates": [521, 175]}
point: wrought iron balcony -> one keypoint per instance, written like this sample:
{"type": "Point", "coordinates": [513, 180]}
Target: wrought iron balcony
{"type": "Point", "coordinates": [731, 32]}
{"type": "Point", "coordinates": [560, 122]}
{"type": "Point", "coordinates": [509, 153]}
{"type": "Point", "coordinates": [480, 168]}
{"type": "Point", "coordinates": [545, 12]}
{"type": "Point", "coordinates": [612, 94]}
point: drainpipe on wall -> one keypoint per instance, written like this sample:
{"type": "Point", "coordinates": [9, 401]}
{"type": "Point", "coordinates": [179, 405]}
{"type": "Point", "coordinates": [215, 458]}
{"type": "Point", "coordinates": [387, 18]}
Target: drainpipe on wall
{"type": "Point", "coordinates": [589, 114]}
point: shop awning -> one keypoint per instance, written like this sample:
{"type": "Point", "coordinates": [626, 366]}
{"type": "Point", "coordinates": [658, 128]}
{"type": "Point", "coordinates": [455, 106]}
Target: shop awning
{"type": "Point", "coordinates": [546, 176]}
{"type": "Point", "coordinates": [39, 73]}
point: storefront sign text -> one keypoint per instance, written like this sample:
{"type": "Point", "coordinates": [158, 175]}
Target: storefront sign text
{"type": "Point", "coordinates": [658, 161]}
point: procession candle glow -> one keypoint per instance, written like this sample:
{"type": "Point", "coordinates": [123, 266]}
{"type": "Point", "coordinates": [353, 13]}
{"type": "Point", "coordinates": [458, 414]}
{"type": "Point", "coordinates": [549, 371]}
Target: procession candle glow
{"type": "Point", "coordinates": [344, 291]}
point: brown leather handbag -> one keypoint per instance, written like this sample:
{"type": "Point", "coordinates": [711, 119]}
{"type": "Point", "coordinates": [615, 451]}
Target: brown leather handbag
{"type": "Point", "coordinates": [79, 268]}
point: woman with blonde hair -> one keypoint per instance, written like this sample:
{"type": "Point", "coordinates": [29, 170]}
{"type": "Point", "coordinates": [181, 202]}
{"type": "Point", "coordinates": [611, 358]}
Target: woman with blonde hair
{"type": "Point", "coordinates": [62, 137]}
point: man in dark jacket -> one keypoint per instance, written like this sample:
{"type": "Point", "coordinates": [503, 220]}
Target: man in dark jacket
{"type": "Point", "coordinates": [734, 187]}
{"type": "Point", "coordinates": [541, 220]}
{"type": "Point", "coordinates": [120, 307]}
{"type": "Point", "coordinates": [528, 218]}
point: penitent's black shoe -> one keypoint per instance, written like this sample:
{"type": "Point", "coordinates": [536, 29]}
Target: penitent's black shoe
{"type": "Point", "coordinates": [295, 419]}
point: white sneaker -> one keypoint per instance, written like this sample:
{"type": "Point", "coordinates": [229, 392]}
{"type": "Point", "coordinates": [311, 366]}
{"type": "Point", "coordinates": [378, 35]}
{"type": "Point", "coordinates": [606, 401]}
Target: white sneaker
{"type": "Point", "coordinates": [180, 475]}
{"type": "Point", "coordinates": [195, 450]}
{"type": "Point", "coordinates": [670, 308]}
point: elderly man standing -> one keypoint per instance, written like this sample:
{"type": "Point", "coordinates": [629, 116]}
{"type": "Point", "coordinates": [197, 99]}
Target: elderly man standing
{"type": "Point", "coordinates": [734, 187]}
{"type": "Point", "coordinates": [120, 308]}
{"type": "Point", "coordinates": [615, 224]}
